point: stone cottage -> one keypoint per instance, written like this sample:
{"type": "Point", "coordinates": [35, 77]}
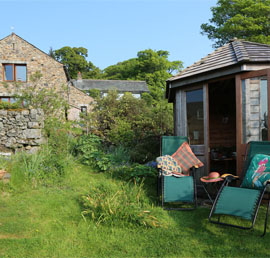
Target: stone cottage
{"type": "Point", "coordinates": [19, 60]}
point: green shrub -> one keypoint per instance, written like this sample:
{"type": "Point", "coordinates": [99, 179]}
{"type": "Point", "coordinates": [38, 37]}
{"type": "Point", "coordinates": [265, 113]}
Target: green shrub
{"type": "Point", "coordinates": [146, 150]}
{"type": "Point", "coordinates": [119, 155]}
{"type": "Point", "coordinates": [6, 105]}
{"type": "Point", "coordinates": [131, 123]}
{"type": "Point", "coordinates": [135, 172]}
{"type": "Point", "coordinates": [90, 151]}
{"type": "Point", "coordinates": [121, 204]}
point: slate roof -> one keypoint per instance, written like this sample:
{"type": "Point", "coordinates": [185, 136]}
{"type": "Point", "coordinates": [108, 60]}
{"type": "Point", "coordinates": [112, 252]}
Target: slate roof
{"type": "Point", "coordinates": [235, 52]}
{"type": "Point", "coordinates": [105, 85]}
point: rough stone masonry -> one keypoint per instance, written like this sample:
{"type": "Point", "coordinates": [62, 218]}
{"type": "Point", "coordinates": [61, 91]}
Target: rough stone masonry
{"type": "Point", "coordinates": [21, 129]}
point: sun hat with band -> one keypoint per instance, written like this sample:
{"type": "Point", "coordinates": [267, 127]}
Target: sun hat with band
{"type": "Point", "coordinates": [212, 177]}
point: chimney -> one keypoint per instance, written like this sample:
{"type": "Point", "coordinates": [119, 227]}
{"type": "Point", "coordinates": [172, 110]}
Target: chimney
{"type": "Point", "coordinates": [79, 77]}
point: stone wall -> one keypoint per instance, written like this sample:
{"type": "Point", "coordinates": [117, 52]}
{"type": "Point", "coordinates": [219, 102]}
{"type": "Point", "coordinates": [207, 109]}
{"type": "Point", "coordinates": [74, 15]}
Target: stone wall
{"type": "Point", "coordinates": [21, 129]}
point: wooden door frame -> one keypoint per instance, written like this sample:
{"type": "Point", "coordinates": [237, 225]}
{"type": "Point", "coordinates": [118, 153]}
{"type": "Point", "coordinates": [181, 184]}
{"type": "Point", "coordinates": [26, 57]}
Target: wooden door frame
{"type": "Point", "coordinates": [240, 146]}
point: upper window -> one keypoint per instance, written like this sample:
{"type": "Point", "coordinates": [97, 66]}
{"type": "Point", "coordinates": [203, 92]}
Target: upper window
{"type": "Point", "coordinates": [15, 72]}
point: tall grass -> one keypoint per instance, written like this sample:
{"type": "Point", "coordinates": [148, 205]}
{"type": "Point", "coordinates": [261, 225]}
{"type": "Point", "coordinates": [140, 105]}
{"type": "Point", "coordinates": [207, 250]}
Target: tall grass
{"type": "Point", "coordinates": [117, 203]}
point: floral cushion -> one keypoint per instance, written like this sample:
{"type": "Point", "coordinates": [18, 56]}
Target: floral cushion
{"type": "Point", "coordinates": [169, 166]}
{"type": "Point", "coordinates": [258, 172]}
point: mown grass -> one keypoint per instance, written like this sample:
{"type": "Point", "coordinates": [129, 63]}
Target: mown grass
{"type": "Point", "coordinates": [46, 221]}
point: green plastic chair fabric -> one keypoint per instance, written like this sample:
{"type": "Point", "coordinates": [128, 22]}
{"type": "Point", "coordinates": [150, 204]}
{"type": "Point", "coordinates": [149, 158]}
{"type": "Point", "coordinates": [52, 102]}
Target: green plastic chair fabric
{"type": "Point", "coordinates": [170, 144]}
{"type": "Point", "coordinates": [176, 189]}
{"type": "Point", "coordinates": [242, 202]}
{"type": "Point", "coordinates": [239, 201]}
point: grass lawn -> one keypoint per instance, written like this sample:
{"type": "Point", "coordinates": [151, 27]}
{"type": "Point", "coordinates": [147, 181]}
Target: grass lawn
{"type": "Point", "coordinates": [47, 222]}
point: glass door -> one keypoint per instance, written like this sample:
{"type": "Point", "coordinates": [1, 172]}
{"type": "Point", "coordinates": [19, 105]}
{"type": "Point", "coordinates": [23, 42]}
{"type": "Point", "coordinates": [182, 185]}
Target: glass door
{"type": "Point", "coordinates": [196, 124]}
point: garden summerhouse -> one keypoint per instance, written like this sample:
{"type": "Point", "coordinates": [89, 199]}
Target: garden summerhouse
{"type": "Point", "coordinates": [222, 102]}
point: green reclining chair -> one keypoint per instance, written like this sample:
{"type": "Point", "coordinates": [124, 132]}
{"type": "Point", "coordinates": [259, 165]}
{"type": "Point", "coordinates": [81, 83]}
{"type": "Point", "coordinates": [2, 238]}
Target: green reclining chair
{"type": "Point", "coordinates": [180, 190]}
{"type": "Point", "coordinates": [243, 201]}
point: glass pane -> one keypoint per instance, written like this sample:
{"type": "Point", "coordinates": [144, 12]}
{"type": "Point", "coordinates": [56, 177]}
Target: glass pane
{"type": "Point", "coordinates": [195, 116]}
{"type": "Point", "coordinates": [13, 100]}
{"type": "Point", "coordinates": [21, 73]}
{"type": "Point", "coordinates": [4, 99]}
{"type": "Point", "coordinates": [8, 72]}
{"type": "Point", "coordinates": [254, 110]}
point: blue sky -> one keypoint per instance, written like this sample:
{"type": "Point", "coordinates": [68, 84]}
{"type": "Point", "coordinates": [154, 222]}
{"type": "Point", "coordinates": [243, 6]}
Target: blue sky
{"type": "Point", "coordinates": [112, 30]}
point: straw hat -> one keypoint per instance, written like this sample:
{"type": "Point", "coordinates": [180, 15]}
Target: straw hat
{"type": "Point", "coordinates": [212, 177]}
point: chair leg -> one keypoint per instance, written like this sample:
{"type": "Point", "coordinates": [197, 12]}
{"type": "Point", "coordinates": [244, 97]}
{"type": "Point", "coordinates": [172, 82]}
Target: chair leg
{"type": "Point", "coordinates": [265, 223]}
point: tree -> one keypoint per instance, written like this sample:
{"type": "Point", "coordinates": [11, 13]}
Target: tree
{"type": "Point", "coordinates": [150, 66]}
{"type": "Point", "coordinates": [243, 19]}
{"type": "Point", "coordinates": [75, 61]}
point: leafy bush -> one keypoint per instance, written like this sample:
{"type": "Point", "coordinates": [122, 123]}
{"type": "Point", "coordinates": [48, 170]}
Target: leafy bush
{"type": "Point", "coordinates": [119, 155]}
{"type": "Point", "coordinates": [134, 172]}
{"type": "Point", "coordinates": [121, 204]}
{"type": "Point", "coordinates": [131, 123]}
{"type": "Point", "coordinates": [90, 151]}
{"type": "Point", "coordinates": [6, 105]}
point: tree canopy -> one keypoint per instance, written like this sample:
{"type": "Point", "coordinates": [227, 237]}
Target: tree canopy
{"type": "Point", "coordinates": [150, 66]}
{"type": "Point", "coordinates": [75, 61]}
{"type": "Point", "coordinates": [243, 19]}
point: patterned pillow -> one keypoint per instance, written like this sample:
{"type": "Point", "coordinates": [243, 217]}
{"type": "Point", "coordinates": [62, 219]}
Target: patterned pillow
{"type": "Point", "coordinates": [258, 172]}
{"type": "Point", "coordinates": [169, 166]}
{"type": "Point", "coordinates": [186, 159]}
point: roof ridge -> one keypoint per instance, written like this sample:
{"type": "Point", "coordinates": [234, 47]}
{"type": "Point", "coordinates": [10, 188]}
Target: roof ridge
{"type": "Point", "coordinates": [240, 51]}
{"type": "Point", "coordinates": [201, 61]}
{"type": "Point", "coordinates": [255, 43]}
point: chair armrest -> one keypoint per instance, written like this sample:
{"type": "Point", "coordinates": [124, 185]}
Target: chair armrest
{"type": "Point", "coordinates": [229, 177]}
{"type": "Point", "coordinates": [267, 182]}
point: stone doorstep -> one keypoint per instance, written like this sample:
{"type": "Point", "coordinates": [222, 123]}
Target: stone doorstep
{"type": "Point", "coordinates": [5, 154]}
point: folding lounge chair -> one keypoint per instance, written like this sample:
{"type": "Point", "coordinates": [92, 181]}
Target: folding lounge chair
{"type": "Point", "coordinates": [176, 189]}
{"type": "Point", "coordinates": [243, 201]}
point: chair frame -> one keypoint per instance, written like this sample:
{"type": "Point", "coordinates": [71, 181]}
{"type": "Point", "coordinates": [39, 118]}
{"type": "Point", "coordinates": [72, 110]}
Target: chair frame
{"type": "Point", "coordinates": [195, 203]}
{"type": "Point", "coordinates": [226, 182]}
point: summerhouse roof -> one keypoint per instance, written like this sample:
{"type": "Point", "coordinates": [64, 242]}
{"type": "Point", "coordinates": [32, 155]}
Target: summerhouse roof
{"type": "Point", "coordinates": [237, 51]}
{"type": "Point", "coordinates": [228, 59]}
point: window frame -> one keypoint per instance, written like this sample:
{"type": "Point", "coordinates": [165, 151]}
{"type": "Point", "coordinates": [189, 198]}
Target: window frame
{"type": "Point", "coordinates": [83, 109]}
{"type": "Point", "coordinates": [5, 97]}
{"type": "Point", "coordinates": [14, 72]}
